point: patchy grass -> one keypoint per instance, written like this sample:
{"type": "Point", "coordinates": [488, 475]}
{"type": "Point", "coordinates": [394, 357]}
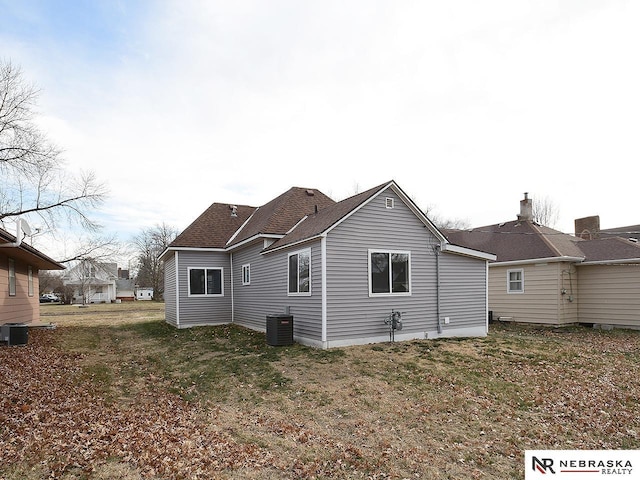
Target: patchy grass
{"type": "Point", "coordinates": [103, 397]}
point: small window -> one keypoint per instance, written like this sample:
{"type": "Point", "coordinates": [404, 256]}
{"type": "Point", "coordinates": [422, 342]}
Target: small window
{"type": "Point", "coordinates": [246, 274]}
{"type": "Point", "coordinates": [389, 202]}
{"type": "Point", "coordinates": [515, 281]}
{"type": "Point", "coordinates": [30, 279]}
{"type": "Point", "coordinates": [12, 277]}
{"type": "Point", "coordinates": [300, 273]}
{"type": "Point", "coordinates": [389, 273]}
{"type": "Point", "coordinates": [205, 281]}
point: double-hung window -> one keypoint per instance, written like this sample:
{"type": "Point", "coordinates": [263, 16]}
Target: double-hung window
{"type": "Point", "coordinates": [389, 272]}
{"type": "Point", "coordinates": [205, 281]}
{"type": "Point", "coordinates": [299, 273]}
{"type": "Point", "coordinates": [515, 281]}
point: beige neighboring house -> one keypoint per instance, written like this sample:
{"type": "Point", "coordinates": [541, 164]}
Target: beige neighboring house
{"type": "Point", "coordinates": [545, 276]}
{"type": "Point", "coordinates": [20, 265]}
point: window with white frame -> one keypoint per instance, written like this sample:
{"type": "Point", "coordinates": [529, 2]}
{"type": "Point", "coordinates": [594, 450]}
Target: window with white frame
{"type": "Point", "coordinates": [205, 282]}
{"type": "Point", "coordinates": [12, 277]}
{"type": "Point", "coordinates": [246, 274]}
{"type": "Point", "coordinates": [389, 272]}
{"type": "Point", "coordinates": [30, 280]}
{"type": "Point", "coordinates": [299, 273]}
{"type": "Point", "coordinates": [515, 281]}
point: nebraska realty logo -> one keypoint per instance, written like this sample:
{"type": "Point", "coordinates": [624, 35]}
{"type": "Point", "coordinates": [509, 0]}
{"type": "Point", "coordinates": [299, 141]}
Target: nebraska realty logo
{"type": "Point", "coordinates": [582, 464]}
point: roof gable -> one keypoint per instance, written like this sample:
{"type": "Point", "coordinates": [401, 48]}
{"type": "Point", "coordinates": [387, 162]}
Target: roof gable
{"type": "Point", "coordinates": [326, 219]}
{"type": "Point", "coordinates": [281, 214]}
{"type": "Point", "coordinates": [214, 227]}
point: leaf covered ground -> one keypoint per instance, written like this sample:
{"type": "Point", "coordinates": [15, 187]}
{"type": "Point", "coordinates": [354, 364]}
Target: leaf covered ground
{"type": "Point", "coordinates": [138, 399]}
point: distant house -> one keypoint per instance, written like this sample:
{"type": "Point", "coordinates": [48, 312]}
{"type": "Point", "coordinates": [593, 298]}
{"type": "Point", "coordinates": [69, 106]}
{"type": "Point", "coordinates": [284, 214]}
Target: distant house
{"type": "Point", "coordinates": [544, 276]}
{"type": "Point", "coordinates": [144, 293]}
{"type": "Point", "coordinates": [340, 268]}
{"type": "Point", "coordinates": [20, 264]}
{"type": "Point", "coordinates": [92, 282]}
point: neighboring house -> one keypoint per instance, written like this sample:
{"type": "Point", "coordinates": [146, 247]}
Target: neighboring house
{"type": "Point", "coordinates": [144, 293]}
{"type": "Point", "coordinates": [340, 268]}
{"type": "Point", "coordinates": [92, 282]}
{"type": "Point", "coordinates": [125, 290]}
{"type": "Point", "coordinates": [544, 276]}
{"type": "Point", "coordinates": [20, 264]}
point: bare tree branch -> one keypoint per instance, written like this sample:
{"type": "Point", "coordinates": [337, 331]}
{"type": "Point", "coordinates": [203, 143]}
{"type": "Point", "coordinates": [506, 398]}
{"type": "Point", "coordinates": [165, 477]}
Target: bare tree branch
{"type": "Point", "coordinates": [34, 180]}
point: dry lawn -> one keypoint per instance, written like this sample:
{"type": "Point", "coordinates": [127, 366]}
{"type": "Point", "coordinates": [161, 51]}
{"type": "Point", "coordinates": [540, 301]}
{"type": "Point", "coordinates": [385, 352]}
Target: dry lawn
{"type": "Point", "coordinates": [115, 393]}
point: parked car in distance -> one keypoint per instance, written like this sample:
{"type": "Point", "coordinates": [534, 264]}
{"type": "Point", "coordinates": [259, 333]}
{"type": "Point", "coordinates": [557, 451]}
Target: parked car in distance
{"type": "Point", "coordinates": [48, 298]}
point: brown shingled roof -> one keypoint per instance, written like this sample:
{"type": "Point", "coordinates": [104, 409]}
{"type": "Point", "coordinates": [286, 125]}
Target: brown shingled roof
{"type": "Point", "coordinates": [214, 227]}
{"type": "Point", "coordinates": [615, 248]}
{"type": "Point", "coordinates": [513, 241]}
{"type": "Point", "coordinates": [279, 215]}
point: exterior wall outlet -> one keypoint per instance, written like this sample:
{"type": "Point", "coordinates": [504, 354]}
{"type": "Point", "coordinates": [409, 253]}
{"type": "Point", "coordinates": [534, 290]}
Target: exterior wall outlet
{"type": "Point", "coordinates": [446, 320]}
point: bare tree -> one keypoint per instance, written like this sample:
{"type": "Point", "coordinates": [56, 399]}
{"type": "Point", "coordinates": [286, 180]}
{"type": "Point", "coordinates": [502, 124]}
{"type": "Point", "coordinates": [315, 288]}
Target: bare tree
{"type": "Point", "coordinates": [34, 180]}
{"type": "Point", "coordinates": [445, 223]}
{"type": "Point", "coordinates": [545, 212]}
{"type": "Point", "coordinates": [149, 244]}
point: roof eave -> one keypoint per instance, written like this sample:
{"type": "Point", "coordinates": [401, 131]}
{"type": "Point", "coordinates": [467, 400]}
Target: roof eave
{"type": "Point", "coordinates": [619, 261]}
{"type": "Point", "coordinates": [528, 261]}
{"type": "Point", "coordinates": [467, 252]}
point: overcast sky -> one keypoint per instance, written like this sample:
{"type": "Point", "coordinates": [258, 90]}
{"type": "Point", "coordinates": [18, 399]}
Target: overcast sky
{"type": "Point", "coordinates": [466, 104]}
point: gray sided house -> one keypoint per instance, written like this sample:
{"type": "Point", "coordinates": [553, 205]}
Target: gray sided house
{"type": "Point", "coordinates": [340, 268]}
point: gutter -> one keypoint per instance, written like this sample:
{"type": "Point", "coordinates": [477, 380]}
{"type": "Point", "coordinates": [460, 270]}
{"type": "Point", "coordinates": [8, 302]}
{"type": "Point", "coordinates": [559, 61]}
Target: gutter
{"type": "Point", "coordinates": [620, 261]}
{"type": "Point", "coordinates": [538, 260]}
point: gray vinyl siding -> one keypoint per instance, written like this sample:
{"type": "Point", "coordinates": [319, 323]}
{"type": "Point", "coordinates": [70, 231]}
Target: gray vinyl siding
{"type": "Point", "coordinates": [352, 313]}
{"type": "Point", "coordinates": [268, 291]}
{"type": "Point", "coordinates": [610, 294]}
{"type": "Point", "coordinates": [170, 305]}
{"type": "Point", "coordinates": [463, 291]}
{"type": "Point", "coordinates": [203, 310]}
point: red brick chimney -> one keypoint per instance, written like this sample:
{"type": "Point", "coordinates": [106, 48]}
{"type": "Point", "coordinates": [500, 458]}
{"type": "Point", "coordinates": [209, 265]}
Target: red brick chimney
{"type": "Point", "coordinates": [587, 228]}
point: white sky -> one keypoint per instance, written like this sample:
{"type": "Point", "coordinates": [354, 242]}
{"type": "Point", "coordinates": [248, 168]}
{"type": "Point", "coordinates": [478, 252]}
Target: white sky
{"type": "Point", "coordinates": [466, 104]}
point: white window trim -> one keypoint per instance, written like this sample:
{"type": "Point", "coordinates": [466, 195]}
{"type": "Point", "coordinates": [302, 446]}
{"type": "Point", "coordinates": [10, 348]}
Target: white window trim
{"type": "Point", "coordinates": [299, 294]}
{"type": "Point", "coordinates": [246, 279]}
{"type": "Point", "coordinates": [521, 270]}
{"type": "Point", "coordinates": [389, 294]}
{"type": "Point", "coordinates": [205, 294]}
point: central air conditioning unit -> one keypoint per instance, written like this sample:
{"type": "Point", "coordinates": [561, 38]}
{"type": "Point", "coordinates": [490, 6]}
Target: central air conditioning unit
{"type": "Point", "coordinates": [279, 330]}
{"type": "Point", "coordinates": [14, 333]}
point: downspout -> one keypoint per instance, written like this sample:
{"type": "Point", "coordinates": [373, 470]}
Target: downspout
{"type": "Point", "coordinates": [232, 296]}
{"type": "Point", "coordinates": [436, 250]}
{"type": "Point", "coordinates": [323, 268]}
{"type": "Point", "coordinates": [20, 227]}
{"type": "Point", "coordinates": [177, 292]}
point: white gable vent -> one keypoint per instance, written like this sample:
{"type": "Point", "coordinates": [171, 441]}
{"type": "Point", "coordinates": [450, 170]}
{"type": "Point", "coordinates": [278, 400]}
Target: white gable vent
{"type": "Point", "coordinates": [389, 202]}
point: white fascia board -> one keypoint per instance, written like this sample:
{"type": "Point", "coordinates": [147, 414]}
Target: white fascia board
{"type": "Point", "coordinates": [621, 261]}
{"type": "Point", "coordinates": [250, 240]}
{"type": "Point", "coordinates": [530, 261]}
{"type": "Point", "coordinates": [468, 252]}
{"type": "Point", "coordinates": [294, 244]}
{"type": "Point", "coordinates": [237, 232]}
